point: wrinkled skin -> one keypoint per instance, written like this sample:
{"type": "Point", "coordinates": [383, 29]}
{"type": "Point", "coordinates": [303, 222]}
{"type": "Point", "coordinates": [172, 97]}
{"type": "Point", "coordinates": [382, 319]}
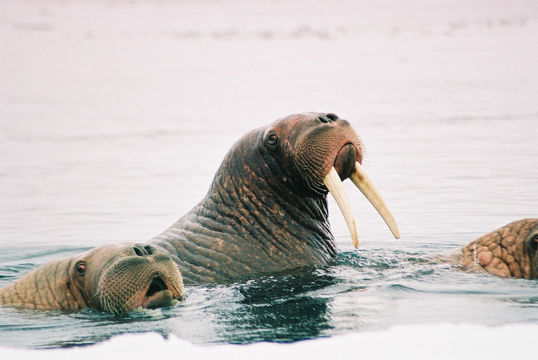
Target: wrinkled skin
{"type": "Point", "coordinates": [112, 278]}
{"type": "Point", "coordinates": [266, 210]}
{"type": "Point", "coordinates": [506, 252]}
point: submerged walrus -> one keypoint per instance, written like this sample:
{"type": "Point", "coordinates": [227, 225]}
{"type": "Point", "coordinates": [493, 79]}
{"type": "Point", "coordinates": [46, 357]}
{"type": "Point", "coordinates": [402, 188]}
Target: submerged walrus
{"type": "Point", "coordinates": [112, 278]}
{"type": "Point", "coordinates": [506, 252]}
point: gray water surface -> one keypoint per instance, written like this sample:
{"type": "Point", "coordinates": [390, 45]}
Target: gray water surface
{"type": "Point", "coordinates": [115, 116]}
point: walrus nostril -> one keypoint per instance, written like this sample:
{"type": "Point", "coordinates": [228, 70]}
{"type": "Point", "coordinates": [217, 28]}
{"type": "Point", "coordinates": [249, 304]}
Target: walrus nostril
{"type": "Point", "coordinates": [139, 250]}
{"type": "Point", "coordinates": [150, 250]}
{"type": "Point", "coordinates": [323, 119]}
{"type": "Point", "coordinates": [332, 116]}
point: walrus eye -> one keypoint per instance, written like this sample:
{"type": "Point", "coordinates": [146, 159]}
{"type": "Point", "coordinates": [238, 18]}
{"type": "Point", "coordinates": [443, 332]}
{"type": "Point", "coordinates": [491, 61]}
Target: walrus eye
{"type": "Point", "coordinates": [80, 267]}
{"type": "Point", "coordinates": [271, 140]}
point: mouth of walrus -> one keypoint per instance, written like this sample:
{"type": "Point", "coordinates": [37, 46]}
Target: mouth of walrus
{"type": "Point", "coordinates": [346, 166]}
{"type": "Point", "coordinates": [158, 294]}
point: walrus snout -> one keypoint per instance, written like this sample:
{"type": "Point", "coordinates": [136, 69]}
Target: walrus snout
{"type": "Point", "coordinates": [156, 285]}
{"type": "Point", "coordinates": [348, 155]}
{"type": "Point", "coordinates": [159, 295]}
{"type": "Point", "coordinates": [326, 118]}
{"type": "Point", "coordinates": [143, 250]}
{"type": "Point", "coordinates": [345, 161]}
{"type": "Point", "coordinates": [143, 280]}
{"type": "Point", "coordinates": [145, 253]}
{"type": "Point", "coordinates": [324, 150]}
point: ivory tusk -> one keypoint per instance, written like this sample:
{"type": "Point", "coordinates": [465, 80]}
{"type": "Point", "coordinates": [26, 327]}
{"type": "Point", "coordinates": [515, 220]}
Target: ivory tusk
{"type": "Point", "coordinates": [365, 185]}
{"type": "Point", "coordinates": [334, 185]}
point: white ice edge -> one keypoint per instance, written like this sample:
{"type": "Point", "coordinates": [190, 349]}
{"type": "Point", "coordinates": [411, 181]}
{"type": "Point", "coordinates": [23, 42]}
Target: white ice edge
{"type": "Point", "coordinates": [430, 341]}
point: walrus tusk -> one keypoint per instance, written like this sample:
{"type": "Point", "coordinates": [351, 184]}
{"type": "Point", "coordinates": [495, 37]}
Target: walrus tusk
{"type": "Point", "coordinates": [334, 185]}
{"type": "Point", "coordinates": [365, 185]}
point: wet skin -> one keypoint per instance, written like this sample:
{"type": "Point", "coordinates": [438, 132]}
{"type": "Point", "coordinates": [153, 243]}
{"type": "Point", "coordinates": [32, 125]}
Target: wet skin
{"type": "Point", "coordinates": [506, 252]}
{"type": "Point", "coordinates": [112, 278]}
{"type": "Point", "coordinates": [266, 210]}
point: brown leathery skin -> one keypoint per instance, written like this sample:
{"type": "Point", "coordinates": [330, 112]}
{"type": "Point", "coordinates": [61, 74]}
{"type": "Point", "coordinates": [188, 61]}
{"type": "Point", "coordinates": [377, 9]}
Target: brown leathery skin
{"type": "Point", "coordinates": [112, 278]}
{"type": "Point", "coordinates": [509, 251]}
{"type": "Point", "coordinates": [266, 210]}
{"type": "Point", "coordinates": [48, 287]}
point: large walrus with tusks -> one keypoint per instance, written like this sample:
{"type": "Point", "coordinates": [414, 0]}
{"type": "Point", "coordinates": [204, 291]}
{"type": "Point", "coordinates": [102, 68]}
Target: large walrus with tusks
{"type": "Point", "coordinates": [265, 212]}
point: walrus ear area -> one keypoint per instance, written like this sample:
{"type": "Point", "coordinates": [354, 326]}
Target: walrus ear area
{"type": "Point", "coordinates": [532, 244]}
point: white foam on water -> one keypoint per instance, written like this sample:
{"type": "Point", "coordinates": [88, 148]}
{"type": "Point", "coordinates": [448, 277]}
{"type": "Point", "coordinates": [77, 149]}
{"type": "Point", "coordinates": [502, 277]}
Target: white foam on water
{"type": "Point", "coordinates": [429, 341]}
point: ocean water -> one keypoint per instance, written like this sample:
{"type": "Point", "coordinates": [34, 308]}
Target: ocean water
{"type": "Point", "coordinates": [114, 117]}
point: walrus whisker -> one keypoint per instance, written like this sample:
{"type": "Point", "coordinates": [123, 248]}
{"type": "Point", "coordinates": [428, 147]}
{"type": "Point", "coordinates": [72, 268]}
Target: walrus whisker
{"type": "Point", "coordinates": [334, 185]}
{"type": "Point", "coordinates": [105, 305]}
{"type": "Point", "coordinates": [366, 186]}
{"type": "Point", "coordinates": [312, 185]}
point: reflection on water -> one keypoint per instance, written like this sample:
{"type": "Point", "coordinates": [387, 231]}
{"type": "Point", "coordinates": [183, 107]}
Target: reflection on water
{"type": "Point", "coordinates": [283, 308]}
{"type": "Point", "coordinates": [112, 127]}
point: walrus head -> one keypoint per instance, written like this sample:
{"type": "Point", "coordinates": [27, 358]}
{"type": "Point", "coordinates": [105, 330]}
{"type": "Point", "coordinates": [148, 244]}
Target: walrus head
{"type": "Point", "coordinates": [313, 153]}
{"type": "Point", "coordinates": [119, 278]}
{"type": "Point", "coordinates": [510, 251]}
{"type": "Point", "coordinates": [112, 278]}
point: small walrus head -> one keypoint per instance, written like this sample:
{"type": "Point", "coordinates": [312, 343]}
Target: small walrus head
{"type": "Point", "coordinates": [112, 278]}
{"type": "Point", "coordinates": [119, 278]}
{"type": "Point", "coordinates": [314, 153]}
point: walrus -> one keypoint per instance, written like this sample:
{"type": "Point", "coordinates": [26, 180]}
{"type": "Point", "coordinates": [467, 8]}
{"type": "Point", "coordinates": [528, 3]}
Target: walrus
{"type": "Point", "coordinates": [509, 251]}
{"type": "Point", "coordinates": [111, 278]}
{"type": "Point", "coordinates": [265, 212]}
{"type": "Point", "coordinates": [117, 278]}
{"type": "Point", "coordinates": [266, 209]}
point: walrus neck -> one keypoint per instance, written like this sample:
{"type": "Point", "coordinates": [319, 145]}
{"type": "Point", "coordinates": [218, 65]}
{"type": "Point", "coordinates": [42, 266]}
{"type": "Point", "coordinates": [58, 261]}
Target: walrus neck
{"type": "Point", "coordinates": [248, 224]}
{"type": "Point", "coordinates": [243, 194]}
{"type": "Point", "coordinates": [47, 287]}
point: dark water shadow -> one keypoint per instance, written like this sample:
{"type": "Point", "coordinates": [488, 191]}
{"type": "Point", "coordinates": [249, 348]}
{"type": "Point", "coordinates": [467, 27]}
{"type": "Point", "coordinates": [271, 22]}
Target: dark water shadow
{"type": "Point", "coordinates": [281, 308]}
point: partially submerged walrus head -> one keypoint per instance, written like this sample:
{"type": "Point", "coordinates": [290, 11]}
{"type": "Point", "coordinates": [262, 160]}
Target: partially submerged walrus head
{"type": "Point", "coordinates": [510, 251]}
{"type": "Point", "coordinates": [112, 278]}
